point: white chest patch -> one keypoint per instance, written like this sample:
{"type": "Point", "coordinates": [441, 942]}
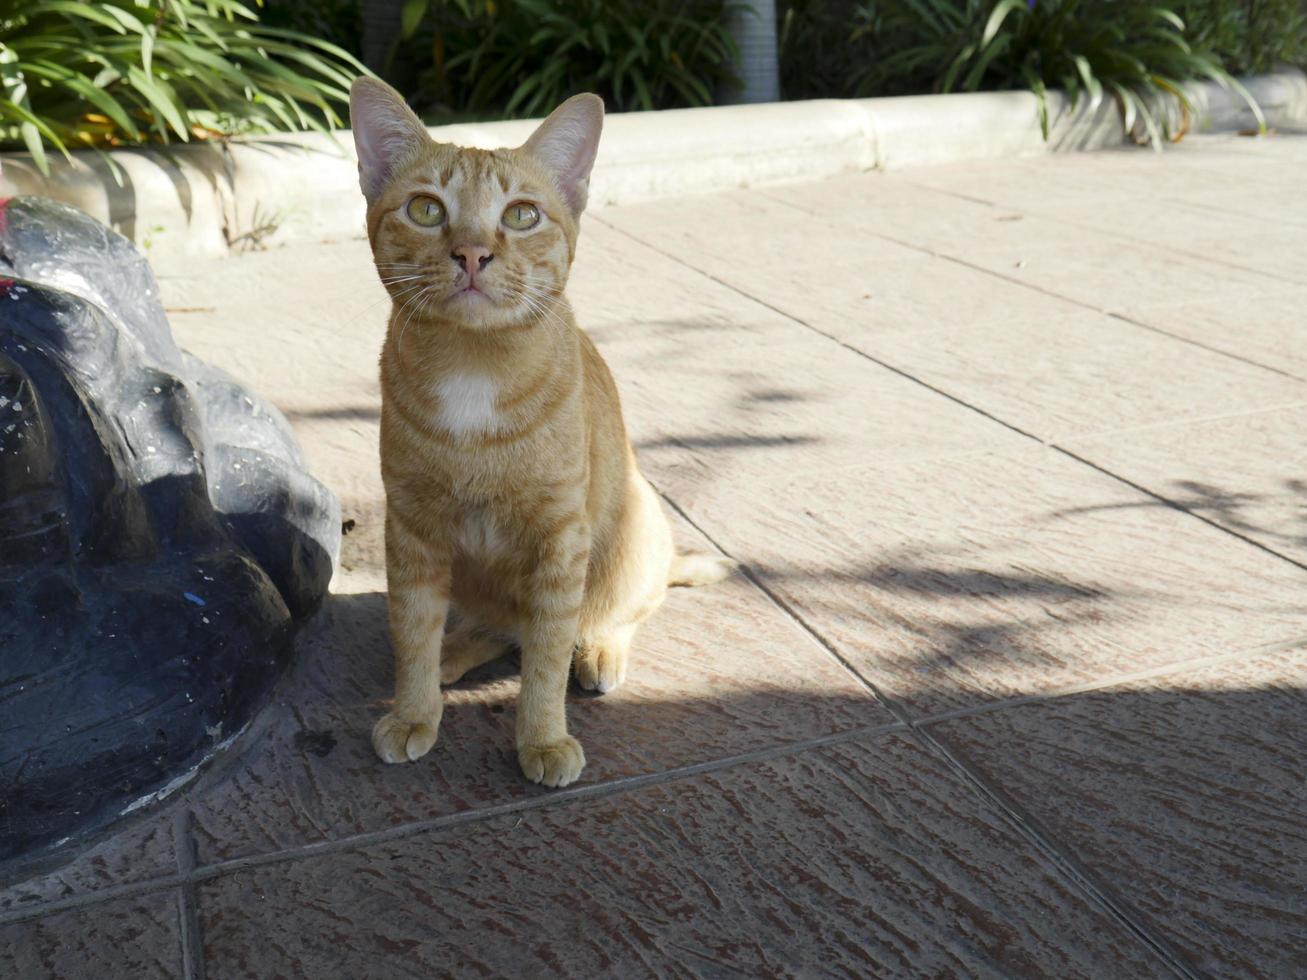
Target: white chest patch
{"type": "Point", "coordinates": [467, 404]}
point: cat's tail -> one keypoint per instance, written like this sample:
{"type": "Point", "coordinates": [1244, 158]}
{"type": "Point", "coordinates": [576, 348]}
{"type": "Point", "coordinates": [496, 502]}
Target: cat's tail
{"type": "Point", "coordinates": [696, 568]}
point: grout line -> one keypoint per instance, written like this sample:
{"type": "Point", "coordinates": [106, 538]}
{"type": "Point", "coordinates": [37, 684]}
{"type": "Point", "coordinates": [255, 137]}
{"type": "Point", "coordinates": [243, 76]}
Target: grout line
{"type": "Point", "coordinates": [1047, 844]}
{"type": "Point", "coordinates": [1025, 825]}
{"type": "Point", "coordinates": [1207, 347]}
{"type": "Point", "coordinates": [192, 947]}
{"type": "Point", "coordinates": [1055, 218]}
{"type": "Point", "coordinates": [1098, 435]}
{"type": "Point", "coordinates": [544, 800]}
{"type": "Point", "coordinates": [887, 702]}
{"type": "Point", "coordinates": [98, 896]}
{"type": "Point", "coordinates": [926, 250]}
{"type": "Point", "coordinates": [831, 337]}
{"type": "Point", "coordinates": [1288, 223]}
{"type": "Point", "coordinates": [980, 411]}
{"type": "Point", "coordinates": [1117, 680]}
{"type": "Point", "coordinates": [1061, 857]}
{"type": "Point", "coordinates": [1116, 315]}
{"type": "Point", "coordinates": [988, 707]}
{"type": "Point", "coordinates": [1176, 505]}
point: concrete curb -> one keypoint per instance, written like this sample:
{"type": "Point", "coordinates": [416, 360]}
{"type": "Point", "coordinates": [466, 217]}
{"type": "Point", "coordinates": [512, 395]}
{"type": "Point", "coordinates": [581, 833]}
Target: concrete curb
{"type": "Point", "coordinates": [218, 198]}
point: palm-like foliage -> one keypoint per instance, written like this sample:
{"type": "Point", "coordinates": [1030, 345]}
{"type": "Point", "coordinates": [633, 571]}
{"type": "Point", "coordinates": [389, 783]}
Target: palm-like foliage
{"type": "Point", "coordinates": [117, 72]}
{"type": "Point", "coordinates": [1248, 35]}
{"type": "Point", "coordinates": [1129, 49]}
{"type": "Point", "coordinates": [523, 57]}
{"type": "Point", "coordinates": [1133, 51]}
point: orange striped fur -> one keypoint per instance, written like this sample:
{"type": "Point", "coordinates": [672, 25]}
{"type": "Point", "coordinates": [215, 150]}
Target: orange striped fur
{"type": "Point", "coordinates": [512, 493]}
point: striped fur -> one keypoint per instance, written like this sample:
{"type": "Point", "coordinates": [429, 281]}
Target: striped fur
{"type": "Point", "coordinates": [512, 492]}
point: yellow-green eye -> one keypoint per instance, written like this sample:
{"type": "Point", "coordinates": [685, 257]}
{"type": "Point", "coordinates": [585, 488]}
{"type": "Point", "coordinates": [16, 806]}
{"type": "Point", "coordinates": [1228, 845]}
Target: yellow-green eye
{"type": "Point", "coordinates": [521, 216]}
{"type": "Point", "coordinates": [426, 211]}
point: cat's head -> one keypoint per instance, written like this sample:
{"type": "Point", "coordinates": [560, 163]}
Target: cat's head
{"type": "Point", "coordinates": [480, 239]}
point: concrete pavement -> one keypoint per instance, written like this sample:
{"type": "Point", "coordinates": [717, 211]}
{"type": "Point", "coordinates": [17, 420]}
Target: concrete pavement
{"type": "Point", "coordinates": [1015, 682]}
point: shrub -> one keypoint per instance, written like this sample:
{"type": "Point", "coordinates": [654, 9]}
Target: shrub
{"type": "Point", "coordinates": [1248, 35]}
{"type": "Point", "coordinates": [522, 57]}
{"type": "Point", "coordinates": [1129, 50]}
{"type": "Point", "coordinates": [824, 50]}
{"type": "Point", "coordinates": [121, 72]}
{"type": "Point", "coordinates": [339, 22]}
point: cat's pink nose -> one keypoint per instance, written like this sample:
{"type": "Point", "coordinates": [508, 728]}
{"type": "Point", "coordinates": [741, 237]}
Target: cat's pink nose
{"type": "Point", "coordinates": [473, 258]}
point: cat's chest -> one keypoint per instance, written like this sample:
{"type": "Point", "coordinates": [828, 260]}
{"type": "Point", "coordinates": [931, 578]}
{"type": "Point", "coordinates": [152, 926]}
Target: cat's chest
{"type": "Point", "coordinates": [465, 404]}
{"type": "Point", "coordinates": [479, 535]}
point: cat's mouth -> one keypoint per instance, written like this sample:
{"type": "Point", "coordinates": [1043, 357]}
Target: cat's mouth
{"type": "Point", "coordinates": [471, 291]}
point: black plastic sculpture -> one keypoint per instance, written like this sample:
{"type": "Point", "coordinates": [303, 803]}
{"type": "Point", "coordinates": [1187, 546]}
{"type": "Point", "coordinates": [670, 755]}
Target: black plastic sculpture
{"type": "Point", "coordinates": [159, 537]}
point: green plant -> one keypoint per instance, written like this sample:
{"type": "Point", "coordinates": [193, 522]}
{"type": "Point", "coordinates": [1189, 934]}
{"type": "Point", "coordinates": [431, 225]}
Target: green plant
{"type": "Point", "coordinates": [1131, 50]}
{"type": "Point", "coordinates": [1248, 35]}
{"type": "Point", "coordinates": [523, 57]}
{"type": "Point", "coordinates": [819, 55]}
{"type": "Point", "coordinates": [120, 72]}
{"type": "Point", "coordinates": [339, 22]}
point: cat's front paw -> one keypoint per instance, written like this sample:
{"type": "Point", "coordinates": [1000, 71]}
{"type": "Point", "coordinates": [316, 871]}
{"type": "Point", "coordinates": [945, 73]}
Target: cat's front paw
{"type": "Point", "coordinates": [397, 740]}
{"type": "Point", "coordinates": [555, 764]}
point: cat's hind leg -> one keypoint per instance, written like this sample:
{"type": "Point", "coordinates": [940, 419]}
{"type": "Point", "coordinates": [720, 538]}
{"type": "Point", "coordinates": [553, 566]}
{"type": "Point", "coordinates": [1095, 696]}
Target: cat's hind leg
{"type": "Point", "coordinates": [600, 662]}
{"type": "Point", "coordinates": [466, 647]}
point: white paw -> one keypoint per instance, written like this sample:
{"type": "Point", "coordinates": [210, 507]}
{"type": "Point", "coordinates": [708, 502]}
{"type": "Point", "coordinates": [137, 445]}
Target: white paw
{"type": "Point", "coordinates": [397, 740]}
{"type": "Point", "coordinates": [556, 764]}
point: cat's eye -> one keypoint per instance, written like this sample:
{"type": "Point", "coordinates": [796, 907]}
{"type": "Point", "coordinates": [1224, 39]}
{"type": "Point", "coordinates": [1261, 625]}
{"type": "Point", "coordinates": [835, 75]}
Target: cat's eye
{"type": "Point", "coordinates": [521, 216]}
{"type": "Point", "coordinates": [426, 211]}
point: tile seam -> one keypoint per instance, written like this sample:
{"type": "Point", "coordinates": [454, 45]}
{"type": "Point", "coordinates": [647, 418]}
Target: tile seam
{"type": "Point", "coordinates": [610, 788]}
{"type": "Point", "coordinates": [1054, 851]}
{"type": "Point", "coordinates": [943, 256]}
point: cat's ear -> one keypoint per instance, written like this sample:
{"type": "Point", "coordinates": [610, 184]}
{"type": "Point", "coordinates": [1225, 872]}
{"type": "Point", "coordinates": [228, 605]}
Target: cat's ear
{"type": "Point", "coordinates": [566, 143]}
{"type": "Point", "coordinates": [385, 131]}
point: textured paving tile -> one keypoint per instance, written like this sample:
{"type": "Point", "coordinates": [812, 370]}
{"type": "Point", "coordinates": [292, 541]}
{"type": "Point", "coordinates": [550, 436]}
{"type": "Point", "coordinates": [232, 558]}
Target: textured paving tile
{"type": "Point", "coordinates": [1262, 326]}
{"type": "Point", "coordinates": [1239, 181]}
{"type": "Point", "coordinates": [1185, 792]}
{"type": "Point", "coordinates": [1247, 473]}
{"type": "Point", "coordinates": [717, 671]}
{"type": "Point", "coordinates": [802, 406]}
{"type": "Point", "coordinates": [924, 218]}
{"type": "Point", "coordinates": [953, 582]}
{"type": "Point", "coordinates": [141, 851]}
{"type": "Point", "coordinates": [843, 276]}
{"type": "Point", "coordinates": [1069, 180]}
{"type": "Point", "coordinates": [861, 860]}
{"type": "Point", "coordinates": [136, 938]}
{"type": "Point", "coordinates": [1109, 273]}
{"type": "Point", "coordinates": [625, 291]}
{"type": "Point", "coordinates": [303, 325]}
{"type": "Point", "coordinates": [1079, 373]}
{"type": "Point", "coordinates": [1251, 242]}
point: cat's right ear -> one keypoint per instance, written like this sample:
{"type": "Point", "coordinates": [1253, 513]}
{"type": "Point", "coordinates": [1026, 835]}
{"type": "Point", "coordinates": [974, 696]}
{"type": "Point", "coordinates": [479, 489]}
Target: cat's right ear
{"type": "Point", "coordinates": [386, 130]}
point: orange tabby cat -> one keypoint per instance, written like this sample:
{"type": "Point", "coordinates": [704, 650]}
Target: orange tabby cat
{"type": "Point", "coordinates": [511, 488]}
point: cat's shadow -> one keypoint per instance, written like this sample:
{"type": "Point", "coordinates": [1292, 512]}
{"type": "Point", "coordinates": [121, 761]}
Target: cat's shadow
{"type": "Point", "coordinates": [345, 654]}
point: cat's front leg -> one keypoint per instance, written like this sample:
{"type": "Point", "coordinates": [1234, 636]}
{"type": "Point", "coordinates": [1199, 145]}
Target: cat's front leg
{"type": "Point", "coordinates": [417, 594]}
{"type": "Point", "coordinates": [545, 751]}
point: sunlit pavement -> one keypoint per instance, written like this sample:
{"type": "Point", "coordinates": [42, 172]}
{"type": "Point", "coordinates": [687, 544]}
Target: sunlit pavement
{"type": "Point", "coordinates": [1014, 682]}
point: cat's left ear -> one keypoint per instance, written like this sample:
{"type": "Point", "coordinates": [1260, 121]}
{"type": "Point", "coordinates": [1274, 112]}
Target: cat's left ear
{"type": "Point", "coordinates": [567, 142]}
